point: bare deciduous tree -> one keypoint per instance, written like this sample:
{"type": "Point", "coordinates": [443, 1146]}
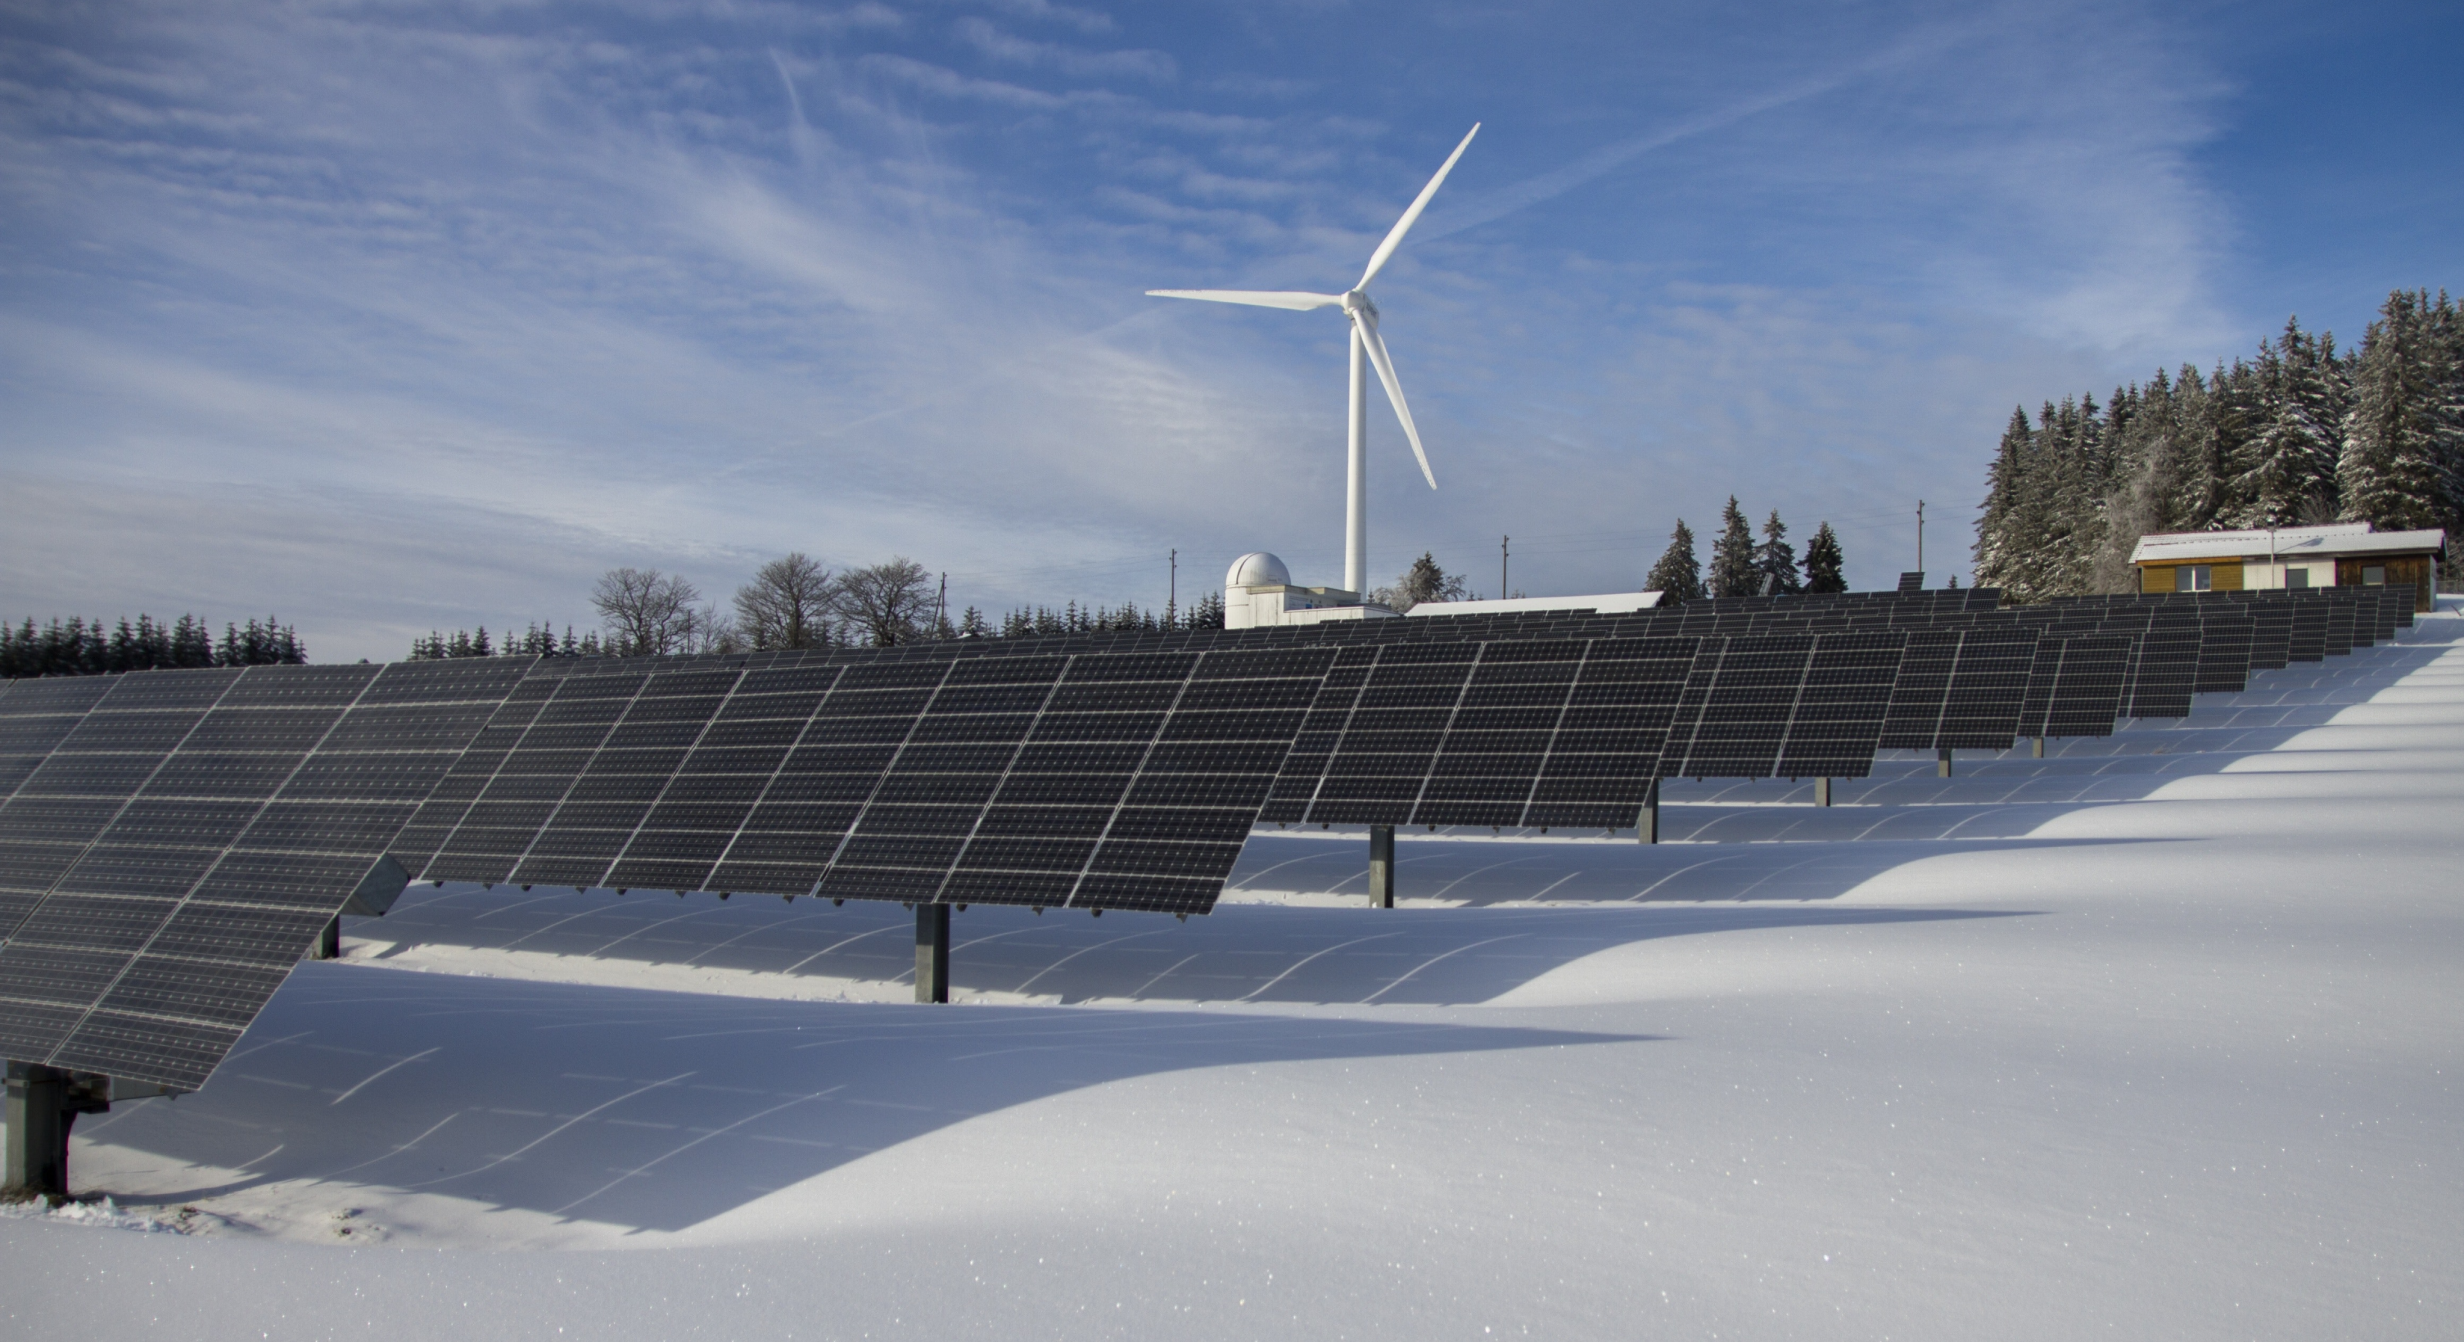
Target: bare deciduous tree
{"type": "Point", "coordinates": [888, 603]}
{"type": "Point", "coordinates": [787, 605]}
{"type": "Point", "coordinates": [709, 630]}
{"type": "Point", "coordinates": [646, 611]}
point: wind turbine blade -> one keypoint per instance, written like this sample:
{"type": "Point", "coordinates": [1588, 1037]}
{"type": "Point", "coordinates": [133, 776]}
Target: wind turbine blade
{"type": "Point", "coordinates": [1256, 298]}
{"type": "Point", "coordinates": [1394, 239]}
{"type": "Point", "coordinates": [1394, 388]}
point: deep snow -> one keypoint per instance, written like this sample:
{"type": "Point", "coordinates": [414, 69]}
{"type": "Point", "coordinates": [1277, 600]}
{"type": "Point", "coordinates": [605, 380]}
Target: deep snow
{"type": "Point", "coordinates": [2152, 1037]}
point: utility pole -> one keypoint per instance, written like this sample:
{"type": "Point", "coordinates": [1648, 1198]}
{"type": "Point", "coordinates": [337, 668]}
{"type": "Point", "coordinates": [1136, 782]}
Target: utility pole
{"type": "Point", "coordinates": [1172, 597]}
{"type": "Point", "coordinates": [1920, 535]}
{"type": "Point", "coordinates": [1502, 556]}
{"type": "Point", "coordinates": [941, 607]}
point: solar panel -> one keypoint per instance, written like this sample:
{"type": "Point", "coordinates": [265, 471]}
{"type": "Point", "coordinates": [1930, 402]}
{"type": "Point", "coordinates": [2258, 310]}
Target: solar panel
{"type": "Point", "coordinates": [1753, 707]}
{"type": "Point", "coordinates": [101, 755]}
{"type": "Point", "coordinates": [2075, 686]}
{"type": "Point", "coordinates": [1111, 780]}
{"type": "Point", "coordinates": [2226, 635]}
{"type": "Point", "coordinates": [1330, 710]}
{"type": "Point", "coordinates": [1604, 752]}
{"type": "Point", "coordinates": [2391, 601]}
{"type": "Point", "coordinates": [1505, 731]}
{"type": "Point", "coordinates": [1837, 720]}
{"type": "Point", "coordinates": [1492, 740]}
{"type": "Point", "coordinates": [171, 841]}
{"type": "Point", "coordinates": [1392, 731]}
{"type": "Point", "coordinates": [1124, 781]}
{"type": "Point", "coordinates": [2308, 641]}
{"type": "Point", "coordinates": [227, 816]}
{"type": "Point", "coordinates": [2165, 674]}
{"type": "Point", "coordinates": [2271, 636]}
{"type": "Point", "coordinates": [2340, 613]}
{"type": "Point", "coordinates": [1959, 688]}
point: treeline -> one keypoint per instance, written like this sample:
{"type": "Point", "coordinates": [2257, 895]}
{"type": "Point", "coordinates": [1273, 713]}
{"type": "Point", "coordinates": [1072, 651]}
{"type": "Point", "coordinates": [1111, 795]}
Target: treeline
{"type": "Point", "coordinates": [1072, 618]}
{"type": "Point", "coordinates": [535, 641]}
{"type": "Point", "coordinates": [1742, 566]}
{"type": "Point", "coordinates": [795, 602]}
{"type": "Point", "coordinates": [2300, 434]}
{"type": "Point", "coordinates": [81, 647]}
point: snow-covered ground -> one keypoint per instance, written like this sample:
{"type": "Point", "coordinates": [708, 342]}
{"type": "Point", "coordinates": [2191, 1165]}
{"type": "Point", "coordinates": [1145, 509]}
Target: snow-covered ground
{"type": "Point", "coordinates": [2159, 1036]}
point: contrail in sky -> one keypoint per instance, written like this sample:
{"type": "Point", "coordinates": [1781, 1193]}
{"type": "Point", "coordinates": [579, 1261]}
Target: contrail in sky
{"type": "Point", "coordinates": [1599, 162]}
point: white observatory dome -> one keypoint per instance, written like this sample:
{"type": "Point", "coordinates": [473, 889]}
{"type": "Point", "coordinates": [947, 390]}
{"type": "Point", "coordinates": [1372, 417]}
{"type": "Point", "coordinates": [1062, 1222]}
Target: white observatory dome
{"type": "Point", "coordinates": [1257, 569]}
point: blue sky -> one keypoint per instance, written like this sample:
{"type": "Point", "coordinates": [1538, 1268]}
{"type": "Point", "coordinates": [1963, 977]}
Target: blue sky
{"type": "Point", "coordinates": [391, 316]}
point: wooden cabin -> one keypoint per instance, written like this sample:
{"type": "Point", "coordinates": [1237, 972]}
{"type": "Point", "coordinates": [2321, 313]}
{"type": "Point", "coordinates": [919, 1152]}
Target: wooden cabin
{"type": "Point", "coordinates": [2343, 554]}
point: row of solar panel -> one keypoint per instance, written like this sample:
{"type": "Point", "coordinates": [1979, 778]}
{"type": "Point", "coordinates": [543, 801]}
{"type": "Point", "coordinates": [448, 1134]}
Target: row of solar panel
{"type": "Point", "coordinates": [170, 842]}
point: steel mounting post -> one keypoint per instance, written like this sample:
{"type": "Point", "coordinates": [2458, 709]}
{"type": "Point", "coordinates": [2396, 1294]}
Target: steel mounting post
{"type": "Point", "coordinates": [1822, 792]}
{"type": "Point", "coordinates": [1942, 762]}
{"type": "Point", "coordinates": [932, 952]}
{"type": "Point", "coordinates": [43, 1103]}
{"type": "Point", "coordinates": [1647, 825]}
{"type": "Point", "coordinates": [1381, 866]}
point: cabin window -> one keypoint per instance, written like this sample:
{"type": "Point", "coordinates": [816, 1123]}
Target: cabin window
{"type": "Point", "coordinates": [2374, 576]}
{"type": "Point", "coordinates": [2193, 578]}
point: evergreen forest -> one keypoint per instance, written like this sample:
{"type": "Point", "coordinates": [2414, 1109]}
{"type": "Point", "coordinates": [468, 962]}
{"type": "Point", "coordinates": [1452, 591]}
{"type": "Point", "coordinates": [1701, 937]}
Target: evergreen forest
{"type": "Point", "coordinates": [81, 647]}
{"type": "Point", "coordinates": [2302, 433]}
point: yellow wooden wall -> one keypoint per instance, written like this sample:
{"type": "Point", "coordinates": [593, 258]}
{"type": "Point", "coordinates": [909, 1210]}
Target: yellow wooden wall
{"type": "Point", "coordinates": [2222, 577]}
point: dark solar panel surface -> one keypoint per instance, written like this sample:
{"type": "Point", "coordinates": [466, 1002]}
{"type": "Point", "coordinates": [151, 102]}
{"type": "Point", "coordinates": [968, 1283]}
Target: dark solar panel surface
{"type": "Point", "coordinates": [170, 842]}
{"type": "Point", "coordinates": [2226, 637]}
{"type": "Point", "coordinates": [216, 821]}
{"type": "Point", "coordinates": [2339, 634]}
{"type": "Point", "coordinates": [2308, 641]}
{"type": "Point", "coordinates": [36, 716]}
{"type": "Point", "coordinates": [1599, 762]}
{"type": "Point", "coordinates": [1805, 705]}
{"type": "Point", "coordinates": [1508, 732]}
{"type": "Point", "coordinates": [2271, 634]}
{"type": "Point", "coordinates": [1960, 688]}
{"type": "Point", "coordinates": [2075, 687]}
{"type": "Point", "coordinates": [2166, 672]}
{"type": "Point", "coordinates": [1113, 780]}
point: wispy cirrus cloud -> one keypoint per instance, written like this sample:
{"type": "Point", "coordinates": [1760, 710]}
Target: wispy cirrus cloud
{"type": "Point", "coordinates": [516, 294]}
{"type": "Point", "coordinates": [1153, 66]}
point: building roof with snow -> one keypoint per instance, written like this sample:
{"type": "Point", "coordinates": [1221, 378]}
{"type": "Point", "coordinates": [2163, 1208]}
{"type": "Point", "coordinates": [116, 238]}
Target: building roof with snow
{"type": "Point", "coordinates": [2336, 540]}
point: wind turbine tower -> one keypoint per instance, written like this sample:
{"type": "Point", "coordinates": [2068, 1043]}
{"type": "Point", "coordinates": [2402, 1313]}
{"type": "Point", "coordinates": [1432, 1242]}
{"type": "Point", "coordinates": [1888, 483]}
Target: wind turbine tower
{"type": "Point", "coordinates": [1367, 348]}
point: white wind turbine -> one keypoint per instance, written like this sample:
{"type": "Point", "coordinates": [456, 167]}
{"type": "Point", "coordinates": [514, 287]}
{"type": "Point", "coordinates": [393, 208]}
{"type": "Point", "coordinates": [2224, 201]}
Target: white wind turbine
{"type": "Point", "coordinates": [1363, 315]}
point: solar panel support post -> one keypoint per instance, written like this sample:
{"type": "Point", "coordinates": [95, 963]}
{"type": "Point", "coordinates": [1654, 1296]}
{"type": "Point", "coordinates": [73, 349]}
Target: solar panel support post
{"type": "Point", "coordinates": [329, 941]}
{"type": "Point", "coordinates": [1822, 792]}
{"type": "Point", "coordinates": [43, 1102]}
{"type": "Point", "coordinates": [2037, 751]}
{"type": "Point", "coordinates": [932, 952]}
{"type": "Point", "coordinates": [1942, 762]}
{"type": "Point", "coordinates": [1381, 866]}
{"type": "Point", "coordinates": [1647, 825]}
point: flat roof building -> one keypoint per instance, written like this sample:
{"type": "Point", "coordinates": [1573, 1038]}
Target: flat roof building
{"type": "Point", "coordinates": [2342, 554]}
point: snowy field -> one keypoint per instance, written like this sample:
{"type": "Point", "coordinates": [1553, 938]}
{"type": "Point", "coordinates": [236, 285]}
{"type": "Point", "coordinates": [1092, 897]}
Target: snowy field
{"type": "Point", "coordinates": [2157, 1037]}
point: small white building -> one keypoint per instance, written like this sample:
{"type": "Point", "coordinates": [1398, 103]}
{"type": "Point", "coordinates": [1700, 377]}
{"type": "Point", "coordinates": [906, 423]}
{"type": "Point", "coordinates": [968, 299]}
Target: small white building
{"type": "Point", "coordinates": [1259, 591]}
